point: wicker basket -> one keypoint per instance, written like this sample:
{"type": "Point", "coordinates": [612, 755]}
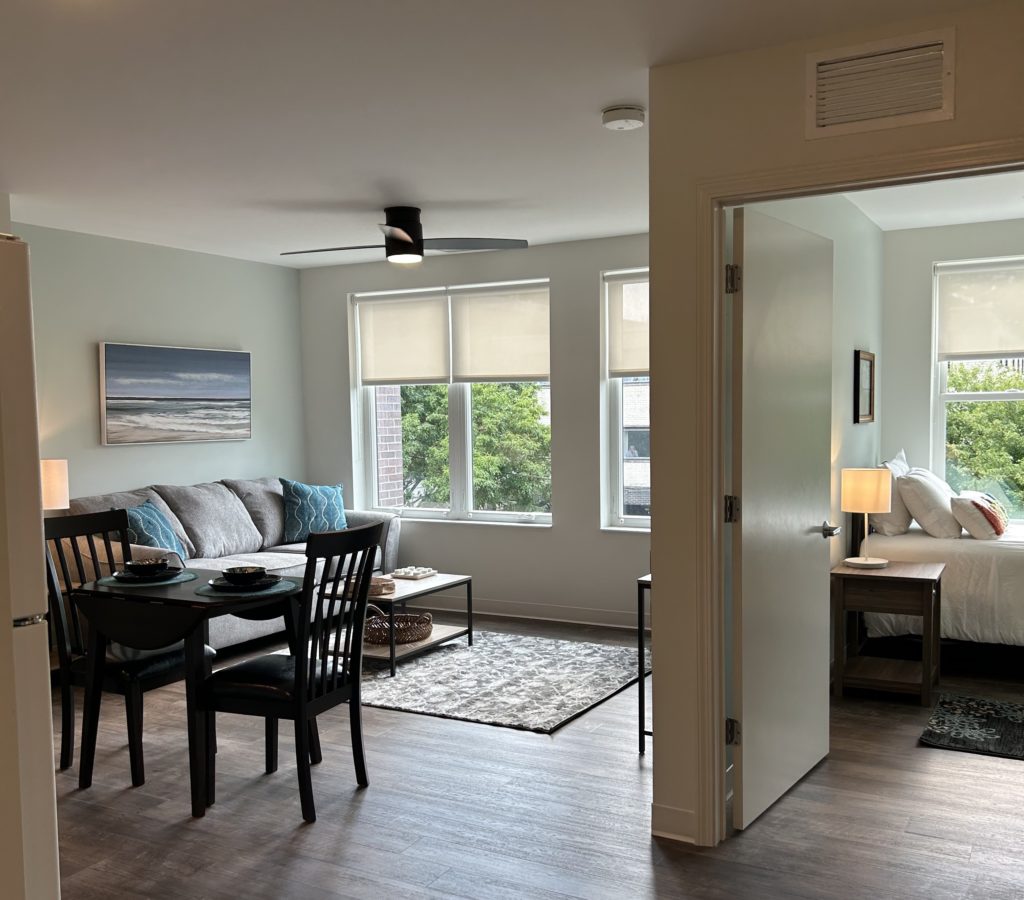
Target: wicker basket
{"type": "Point", "coordinates": [409, 627]}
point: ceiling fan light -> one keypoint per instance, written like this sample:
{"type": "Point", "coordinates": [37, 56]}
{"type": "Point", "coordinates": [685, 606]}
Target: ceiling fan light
{"type": "Point", "coordinates": [405, 259]}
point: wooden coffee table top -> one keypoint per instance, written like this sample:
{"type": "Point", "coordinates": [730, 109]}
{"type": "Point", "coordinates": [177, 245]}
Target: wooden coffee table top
{"type": "Point", "coordinates": [407, 588]}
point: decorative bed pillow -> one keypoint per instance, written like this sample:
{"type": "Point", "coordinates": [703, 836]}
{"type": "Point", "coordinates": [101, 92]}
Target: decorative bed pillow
{"type": "Point", "coordinates": [149, 527]}
{"type": "Point", "coordinates": [897, 520]}
{"type": "Point", "coordinates": [929, 498]}
{"type": "Point", "coordinates": [311, 507]}
{"type": "Point", "coordinates": [984, 517]}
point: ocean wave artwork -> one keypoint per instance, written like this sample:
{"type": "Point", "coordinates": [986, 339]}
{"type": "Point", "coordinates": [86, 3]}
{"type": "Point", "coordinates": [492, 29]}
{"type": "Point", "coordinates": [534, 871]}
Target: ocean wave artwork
{"type": "Point", "coordinates": [174, 394]}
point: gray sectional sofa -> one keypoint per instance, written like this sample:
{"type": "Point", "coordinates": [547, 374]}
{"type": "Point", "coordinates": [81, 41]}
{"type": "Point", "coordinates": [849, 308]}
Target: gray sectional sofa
{"type": "Point", "coordinates": [236, 522]}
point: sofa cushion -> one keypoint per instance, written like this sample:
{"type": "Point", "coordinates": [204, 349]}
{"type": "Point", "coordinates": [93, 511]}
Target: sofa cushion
{"type": "Point", "coordinates": [124, 499]}
{"type": "Point", "coordinates": [264, 499]}
{"type": "Point", "coordinates": [378, 554]}
{"type": "Point", "coordinates": [311, 508]}
{"type": "Point", "coordinates": [149, 527]}
{"type": "Point", "coordinates": [275, 563]}
{"type": "Point", "coordinates": [213, 517]}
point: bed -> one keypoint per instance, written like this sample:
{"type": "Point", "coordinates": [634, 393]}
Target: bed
{"type": "Point", "coordinates": [982, 587]}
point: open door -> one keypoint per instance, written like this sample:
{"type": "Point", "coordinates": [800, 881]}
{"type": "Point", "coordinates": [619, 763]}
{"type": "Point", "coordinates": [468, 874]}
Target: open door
{"type": "Point", "coordinates": [781, 461]}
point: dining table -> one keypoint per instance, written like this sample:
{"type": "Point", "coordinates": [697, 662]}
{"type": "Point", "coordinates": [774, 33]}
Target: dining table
{"type": "Point", "coordinates": [150, 616]}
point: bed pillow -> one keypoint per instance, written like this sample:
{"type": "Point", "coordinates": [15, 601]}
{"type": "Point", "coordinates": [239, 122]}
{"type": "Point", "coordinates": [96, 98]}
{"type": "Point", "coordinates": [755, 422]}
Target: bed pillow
{"type": "Point", "coordinates": [984, 517]}
{"type": "Point", "coordinates": [897, 520]}
{"type": "Point", "coordinates": [311, 507]}
{"type": "Point", "coordinates": [929, 498]}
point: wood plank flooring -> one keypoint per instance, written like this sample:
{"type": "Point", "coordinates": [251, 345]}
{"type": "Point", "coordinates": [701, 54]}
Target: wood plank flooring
{"type": "Point", "coordinates": [456, 809]}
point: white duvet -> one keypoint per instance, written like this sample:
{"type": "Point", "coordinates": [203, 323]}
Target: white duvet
{"type": "Point", "coordinates": [982, 586]}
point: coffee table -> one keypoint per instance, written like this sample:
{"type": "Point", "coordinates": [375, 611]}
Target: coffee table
{"type": "Point", "coordinates": [406, 590]}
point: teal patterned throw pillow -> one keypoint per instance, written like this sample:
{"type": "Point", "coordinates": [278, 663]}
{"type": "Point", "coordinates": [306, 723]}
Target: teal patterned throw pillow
{"type": "Point", "coordinates": [148, 527]}
{"type": "Point", "coordinates": [311, 507]}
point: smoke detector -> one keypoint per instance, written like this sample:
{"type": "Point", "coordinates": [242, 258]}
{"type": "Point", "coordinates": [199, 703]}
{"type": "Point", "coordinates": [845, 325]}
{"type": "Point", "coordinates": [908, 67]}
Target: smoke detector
{"type": "Point", "coordinates": [623, 118]}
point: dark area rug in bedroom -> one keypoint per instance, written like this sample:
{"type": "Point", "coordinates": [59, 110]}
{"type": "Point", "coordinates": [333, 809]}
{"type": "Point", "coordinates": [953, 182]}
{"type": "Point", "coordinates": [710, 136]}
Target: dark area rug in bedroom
{"type": "Point", "coordinates": [976, 725]}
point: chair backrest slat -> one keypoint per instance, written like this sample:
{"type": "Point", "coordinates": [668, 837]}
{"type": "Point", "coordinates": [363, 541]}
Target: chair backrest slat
{"type": "Point", "coordinates": [334, 609]}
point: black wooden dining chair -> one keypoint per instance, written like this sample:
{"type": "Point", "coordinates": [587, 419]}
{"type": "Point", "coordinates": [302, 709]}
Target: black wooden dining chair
{"type": "Point", "coordinates": [80, 549]}
{"type": "Point", "coordinates": [324, 666]}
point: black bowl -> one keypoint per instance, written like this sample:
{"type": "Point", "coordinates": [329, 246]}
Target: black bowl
{"type": "Point", "coordinates": [245, 574]}
{"type": "Point", "coordinates": [146, 566]}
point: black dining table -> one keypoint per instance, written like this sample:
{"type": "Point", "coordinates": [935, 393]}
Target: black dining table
{"type": "Point", "coordinates": [151, 616]}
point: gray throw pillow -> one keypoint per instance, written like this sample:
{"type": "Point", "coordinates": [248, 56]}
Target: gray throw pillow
{"type": "Point", "coordinates": [264, 499]}
{"type": "Point", "coordinates": [214, 518]}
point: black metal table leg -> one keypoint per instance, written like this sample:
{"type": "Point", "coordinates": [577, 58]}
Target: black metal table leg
{"type": "Point", "coordinates": [469, 610]}
{"type": "Point", "coordinates": [640, 665]}
{"type": "Point", "coordinates": [391, 635]}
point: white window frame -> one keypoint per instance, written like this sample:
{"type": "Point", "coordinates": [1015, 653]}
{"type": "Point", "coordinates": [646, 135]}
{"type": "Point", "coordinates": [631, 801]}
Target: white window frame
{"type": "Point", "coordinates": [612, 449]}
{"type": "Point", "coordinates": [941, 397]}
{"type": "Point", "coordinates": [460, 434]}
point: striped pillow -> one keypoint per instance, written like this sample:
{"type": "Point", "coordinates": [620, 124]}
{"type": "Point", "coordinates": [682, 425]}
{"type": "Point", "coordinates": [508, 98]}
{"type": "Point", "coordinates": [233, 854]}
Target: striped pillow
{"type": "Point", "coordinates": [148, 527]}
{"type": "Point", "coordinates": [984, 517]}
{"type": "Point", "coordinates": [311, 507]}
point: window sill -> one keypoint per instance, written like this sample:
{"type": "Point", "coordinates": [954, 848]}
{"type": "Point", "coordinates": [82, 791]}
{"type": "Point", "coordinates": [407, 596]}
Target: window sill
{"type": "Point", "coordinates": [627, 529]}
{"type": "Point", "coordinates": [474, 522]}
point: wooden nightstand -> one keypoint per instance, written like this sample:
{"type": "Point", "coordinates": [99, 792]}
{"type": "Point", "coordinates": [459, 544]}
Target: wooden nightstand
{"type": "Point", "coordinates": [911, 589]}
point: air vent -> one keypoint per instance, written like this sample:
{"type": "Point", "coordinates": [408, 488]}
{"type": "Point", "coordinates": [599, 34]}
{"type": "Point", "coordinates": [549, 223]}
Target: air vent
{"type": "Point", "coordinates": [888, 84]}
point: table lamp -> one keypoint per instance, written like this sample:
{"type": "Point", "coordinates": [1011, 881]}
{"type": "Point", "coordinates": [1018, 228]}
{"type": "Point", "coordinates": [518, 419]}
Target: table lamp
{"type": "Point", "coordinates": [54, 476]}
{"type": "Point", "coordinates": [866, 491]}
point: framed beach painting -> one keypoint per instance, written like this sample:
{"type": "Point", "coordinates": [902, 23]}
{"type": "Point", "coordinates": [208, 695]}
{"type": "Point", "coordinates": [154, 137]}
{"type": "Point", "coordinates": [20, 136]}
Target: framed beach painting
{"type": "Point", "coordinates": [153, 395]}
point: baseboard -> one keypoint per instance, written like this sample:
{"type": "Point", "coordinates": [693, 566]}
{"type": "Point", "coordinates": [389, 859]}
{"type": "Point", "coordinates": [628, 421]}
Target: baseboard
{"type": "Point", "coordinates": [673, 823]}
{"type": "Point", "coordinates": [514, 609]}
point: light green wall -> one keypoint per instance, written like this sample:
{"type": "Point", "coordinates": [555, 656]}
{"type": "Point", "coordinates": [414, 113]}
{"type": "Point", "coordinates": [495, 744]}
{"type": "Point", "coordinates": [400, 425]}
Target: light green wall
{"type": "Point", "coordinates": [5, 212]}
{"type": "Point", "coordinates": [88, 289]}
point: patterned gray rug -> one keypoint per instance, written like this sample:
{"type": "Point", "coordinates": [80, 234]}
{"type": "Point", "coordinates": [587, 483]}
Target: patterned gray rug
{"type": "Point", "coordinates": [514, 681]}
{"type": "Point", "coordinates": [974, 725]}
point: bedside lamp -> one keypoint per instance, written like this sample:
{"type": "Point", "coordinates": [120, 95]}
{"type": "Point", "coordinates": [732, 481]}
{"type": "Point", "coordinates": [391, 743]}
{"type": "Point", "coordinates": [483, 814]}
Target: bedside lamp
{"type": "Point", "coordinates": [866, 491]}
{"type": "Point", "coordinates": [53, 474]}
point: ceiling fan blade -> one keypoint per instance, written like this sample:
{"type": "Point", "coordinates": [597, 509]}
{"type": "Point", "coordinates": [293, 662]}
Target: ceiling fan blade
{"type": "Point", "coordinates": [332, 249]}
{"type": "Point", "coordinates": [395, 233]}
{"type": "Point", "coordinates": [455, 244]}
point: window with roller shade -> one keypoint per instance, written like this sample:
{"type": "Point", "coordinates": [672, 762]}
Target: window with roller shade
{"type": "Point", "coordinates": [455, 383]}
{"type": "Point", "coordinates": [979, 343]}
{"type": "Point", "coordinates": [628, 391]}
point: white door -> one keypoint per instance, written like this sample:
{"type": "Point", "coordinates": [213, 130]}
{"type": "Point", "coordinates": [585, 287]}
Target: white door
{"type": "Point", "coordinates": [782, 461]}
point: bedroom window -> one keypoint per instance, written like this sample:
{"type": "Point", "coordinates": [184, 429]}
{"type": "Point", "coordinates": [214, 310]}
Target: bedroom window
{"type": "Point", "coordinates": [454, 384]}
{"type": "Point", "coordinates": [628, 391]}
{"type": "Point", "coordinates": [980, 377]}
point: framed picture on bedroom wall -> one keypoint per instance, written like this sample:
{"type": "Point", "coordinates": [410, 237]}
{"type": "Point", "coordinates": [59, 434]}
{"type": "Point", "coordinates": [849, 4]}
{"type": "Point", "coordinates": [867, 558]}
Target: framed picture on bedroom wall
{"type": "Point", "coordinates": [863, 387]}
{"type": "Point", "coordinates": [157, 395]}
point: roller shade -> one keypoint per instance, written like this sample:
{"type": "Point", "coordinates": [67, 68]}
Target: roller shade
{"type": "Point", "coordinates": [501, 334]}
{"type": "Point", "coordinates": [980, 310]}
{"type": "Point", "coordinates": [628, 325]}
{"type": "Point", "coordinates": [404, 340]}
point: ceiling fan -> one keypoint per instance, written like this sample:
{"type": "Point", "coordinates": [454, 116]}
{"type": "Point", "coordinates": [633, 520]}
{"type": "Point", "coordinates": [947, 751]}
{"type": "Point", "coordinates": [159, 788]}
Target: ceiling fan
{"type": "Point", "coordinates": [404, 241]}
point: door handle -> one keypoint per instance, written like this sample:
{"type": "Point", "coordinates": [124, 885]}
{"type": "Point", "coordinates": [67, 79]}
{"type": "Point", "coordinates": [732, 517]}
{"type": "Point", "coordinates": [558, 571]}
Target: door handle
{"type": "Point", "coordinates": [830, 531]}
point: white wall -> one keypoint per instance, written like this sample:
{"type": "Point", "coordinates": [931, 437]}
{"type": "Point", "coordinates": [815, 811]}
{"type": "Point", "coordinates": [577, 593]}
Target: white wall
{"type": "Point", "coordinates": [571, 570]}
{"type": "Point", "coordinates": [856, 325]}
{"type": "Point", "coordinates": [88, 289]}
{"type": "Point", "coordinates": [907, 322]}
{"type": "Point", "coordinates": [5, 212]}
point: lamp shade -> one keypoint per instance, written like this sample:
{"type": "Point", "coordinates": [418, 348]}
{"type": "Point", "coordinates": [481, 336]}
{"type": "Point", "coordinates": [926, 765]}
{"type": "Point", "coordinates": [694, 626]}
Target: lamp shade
{"type": "Point", "coordinates": [54, 476]}
{"type": "Point", "coordinates": [866, 490]}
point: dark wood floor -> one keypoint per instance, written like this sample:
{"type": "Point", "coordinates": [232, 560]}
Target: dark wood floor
{"type": "Point", "coordinates": [462, 810]}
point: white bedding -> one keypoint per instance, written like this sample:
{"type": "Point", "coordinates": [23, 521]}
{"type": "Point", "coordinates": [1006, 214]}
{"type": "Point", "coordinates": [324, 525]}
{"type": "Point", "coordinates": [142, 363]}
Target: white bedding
{"type": "Point", "coordinates": [982, 586]}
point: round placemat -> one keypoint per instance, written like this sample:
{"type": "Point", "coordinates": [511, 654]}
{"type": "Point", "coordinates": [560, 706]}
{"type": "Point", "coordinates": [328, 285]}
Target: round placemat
{"type": "Point", "coordinates": [180, 578]}
{"type": "Point", "coordinates": [282, 589]}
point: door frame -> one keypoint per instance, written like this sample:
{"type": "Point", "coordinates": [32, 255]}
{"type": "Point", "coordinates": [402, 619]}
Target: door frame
{"type": "Point", "coordinates": [713, 195]}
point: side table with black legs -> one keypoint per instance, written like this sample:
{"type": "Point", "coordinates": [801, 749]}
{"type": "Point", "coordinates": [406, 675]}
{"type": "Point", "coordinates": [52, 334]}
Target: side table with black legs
{"type": "Point", "coordinates": [643, 587]}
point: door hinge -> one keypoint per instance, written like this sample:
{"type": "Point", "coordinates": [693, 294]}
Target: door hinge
{"type": "Point", "coordinates": [732, 733]}
{"type": "Point", "coordinates": [732, 508]}
{"type": "Point", "coordinates": [733, 278]}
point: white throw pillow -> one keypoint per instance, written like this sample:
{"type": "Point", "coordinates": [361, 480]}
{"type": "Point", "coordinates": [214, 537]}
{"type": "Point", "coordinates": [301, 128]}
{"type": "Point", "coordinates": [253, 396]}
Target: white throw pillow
{"type": "Point", "coordinates": [984, 517]}
{"type": "Point", "coordinates": [897, 520]}
{"type": "Point", "coordinates": [929, 498]}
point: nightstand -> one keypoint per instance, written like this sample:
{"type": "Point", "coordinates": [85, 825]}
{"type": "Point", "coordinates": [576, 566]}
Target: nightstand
{"type": "Point", "coordinates": [910, 589]}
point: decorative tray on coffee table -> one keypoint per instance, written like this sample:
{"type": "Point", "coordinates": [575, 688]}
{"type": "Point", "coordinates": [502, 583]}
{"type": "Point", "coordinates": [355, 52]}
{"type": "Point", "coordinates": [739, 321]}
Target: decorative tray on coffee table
{"type": "Point", "coordinates": [413, 573]}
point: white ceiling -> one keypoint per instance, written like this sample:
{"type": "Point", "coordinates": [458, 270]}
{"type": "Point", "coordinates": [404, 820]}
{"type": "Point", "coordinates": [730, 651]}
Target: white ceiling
{"type": "Point", "coordinates": [248, 127]}
{"type": "Point", "coordinates": [982, 198]}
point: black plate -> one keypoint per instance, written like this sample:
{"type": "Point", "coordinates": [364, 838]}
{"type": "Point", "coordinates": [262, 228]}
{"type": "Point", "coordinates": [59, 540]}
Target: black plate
{"type": "Point", "coordinates": [130, 577]}
{"type": "Point", "coordinates": [222, 584]}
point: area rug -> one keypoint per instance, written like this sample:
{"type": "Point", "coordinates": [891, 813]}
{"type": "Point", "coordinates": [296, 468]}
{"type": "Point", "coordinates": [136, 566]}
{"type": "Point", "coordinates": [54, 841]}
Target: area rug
{"type": "Point", "coordinates": [977, 725]}
{"type": "Point", "coordinates": [514, 681]}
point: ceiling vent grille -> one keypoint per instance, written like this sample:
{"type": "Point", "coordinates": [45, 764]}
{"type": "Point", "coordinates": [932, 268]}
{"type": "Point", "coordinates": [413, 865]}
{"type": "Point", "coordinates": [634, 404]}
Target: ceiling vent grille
{"type": "Point", "coordinates": [903, 81]}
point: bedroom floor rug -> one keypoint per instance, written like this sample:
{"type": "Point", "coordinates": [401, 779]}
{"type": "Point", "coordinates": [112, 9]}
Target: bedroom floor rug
{"type": "Point", "coordinates": [976, 725]}
{"type": "Point", "coordinates": [513, 681]}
